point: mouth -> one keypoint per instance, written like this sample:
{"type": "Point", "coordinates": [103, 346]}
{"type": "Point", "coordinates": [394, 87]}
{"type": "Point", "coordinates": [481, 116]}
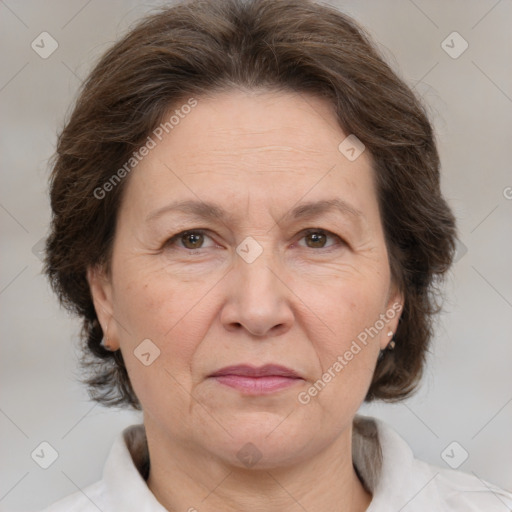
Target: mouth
{"type": "Point", "coordinates": [261, 380]}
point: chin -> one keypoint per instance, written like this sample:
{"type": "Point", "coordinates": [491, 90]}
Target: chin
{"type": "Point", "coordinates": [262, 441]}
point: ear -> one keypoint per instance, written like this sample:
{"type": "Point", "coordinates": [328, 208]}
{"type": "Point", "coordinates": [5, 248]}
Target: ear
{"type": "Point", "coordinates": [394, 307]}
{"type": "Point", "coordinates": [101, 290]}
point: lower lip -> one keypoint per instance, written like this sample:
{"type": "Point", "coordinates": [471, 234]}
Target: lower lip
{"type": "Point", "coordinates": [257, 385]}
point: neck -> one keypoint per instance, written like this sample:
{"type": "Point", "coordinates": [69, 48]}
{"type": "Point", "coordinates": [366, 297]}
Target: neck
{"type": "Point", "coordinates": [183, 479]}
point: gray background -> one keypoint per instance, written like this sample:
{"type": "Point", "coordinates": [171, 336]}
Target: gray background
{"type": "Point", "coordinates": [466, 394]}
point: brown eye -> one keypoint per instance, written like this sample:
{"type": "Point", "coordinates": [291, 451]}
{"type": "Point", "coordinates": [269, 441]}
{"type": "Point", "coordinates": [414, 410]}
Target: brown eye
{"type": "Point", "coordinates": [318, 239]}
{"type": "Point", "coordinates": [192, 240]}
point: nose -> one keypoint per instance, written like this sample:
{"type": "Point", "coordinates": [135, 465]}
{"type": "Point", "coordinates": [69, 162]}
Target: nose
{"type": "Point", "coordinates": [258, 298]}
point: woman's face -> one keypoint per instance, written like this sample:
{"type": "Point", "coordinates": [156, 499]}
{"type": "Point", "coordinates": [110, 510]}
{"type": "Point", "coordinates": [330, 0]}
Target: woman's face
{"type": "Point", "coordinates": [286, 265]}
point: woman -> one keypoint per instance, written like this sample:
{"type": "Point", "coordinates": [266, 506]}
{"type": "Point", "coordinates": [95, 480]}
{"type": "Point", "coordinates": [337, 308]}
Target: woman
{"type": "Point", "coordinates": [247, 216]}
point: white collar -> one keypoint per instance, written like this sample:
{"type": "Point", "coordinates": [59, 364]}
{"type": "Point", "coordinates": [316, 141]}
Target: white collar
{"type": "Point", "coordinates": [384, 461]}
{"type": "Point", "coordinates": [387, 466]}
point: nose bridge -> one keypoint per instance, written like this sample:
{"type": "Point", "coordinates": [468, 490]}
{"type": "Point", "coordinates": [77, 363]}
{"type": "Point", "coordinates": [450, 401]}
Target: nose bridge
{"type": "Point", "coordinates": [259, 300]}
{"type": "Point", "coordinates": [255, 268]}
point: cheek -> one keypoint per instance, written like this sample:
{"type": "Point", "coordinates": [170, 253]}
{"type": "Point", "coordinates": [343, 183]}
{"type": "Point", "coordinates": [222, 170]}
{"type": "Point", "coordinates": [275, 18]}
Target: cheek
{"type": "Point", "coordinates": [347, 354]}
{"type": "Point", "coordinates": [346, 308]}
{"type": "Point", "coordinates": [151, 305]}
{"type": "Point", "coordinates": [347, 350]}
{"type": "Point", "coordinates": [153, 308]}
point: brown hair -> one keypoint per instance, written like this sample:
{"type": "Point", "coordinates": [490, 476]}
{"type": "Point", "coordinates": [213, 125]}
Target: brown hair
{"type": "Point", "coordinates": [199, 47]}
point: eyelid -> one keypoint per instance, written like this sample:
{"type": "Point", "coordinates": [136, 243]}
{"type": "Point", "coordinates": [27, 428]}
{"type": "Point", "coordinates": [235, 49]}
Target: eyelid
{"type": "Point", "coordinates": [326, 232]}
{"type": "Point", "coordinates": [175, 238]}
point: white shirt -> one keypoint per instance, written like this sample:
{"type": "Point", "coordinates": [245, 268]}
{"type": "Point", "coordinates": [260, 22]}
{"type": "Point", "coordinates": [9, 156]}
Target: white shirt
{"type": "Point", "coordinates": [385, 463]}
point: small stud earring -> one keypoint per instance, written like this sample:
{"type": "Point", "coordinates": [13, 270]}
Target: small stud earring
{"type": "Point", "coordinates": [390, 346]}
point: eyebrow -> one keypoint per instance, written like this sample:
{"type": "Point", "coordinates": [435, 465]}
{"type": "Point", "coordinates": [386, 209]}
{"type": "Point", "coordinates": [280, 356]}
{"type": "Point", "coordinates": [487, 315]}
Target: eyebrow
{"type": "Point", "coordinates": [207, 210]}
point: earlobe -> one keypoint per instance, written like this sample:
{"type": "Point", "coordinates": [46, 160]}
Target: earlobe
{"type": "Point", "coordinates": [393, 313]}
{"type": "Point", "coordinates": [101, 292]}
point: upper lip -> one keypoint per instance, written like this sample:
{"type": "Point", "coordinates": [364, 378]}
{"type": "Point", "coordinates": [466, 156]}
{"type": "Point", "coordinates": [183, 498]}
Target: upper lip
{"type": "Point", "coordinates": [246, 370]}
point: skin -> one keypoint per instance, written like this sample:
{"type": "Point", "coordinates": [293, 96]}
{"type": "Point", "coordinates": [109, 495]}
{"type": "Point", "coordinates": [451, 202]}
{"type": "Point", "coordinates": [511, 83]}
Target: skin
{"type": "Point", "coordinates": [300, 303]}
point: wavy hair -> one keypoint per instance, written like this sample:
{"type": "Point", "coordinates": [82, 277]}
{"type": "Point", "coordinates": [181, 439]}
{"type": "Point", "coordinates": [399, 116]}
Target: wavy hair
{"type": "Point", "coordinates": [199, 47]}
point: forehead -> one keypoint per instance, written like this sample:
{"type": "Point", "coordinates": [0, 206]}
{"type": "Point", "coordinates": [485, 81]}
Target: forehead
{"type": "Point", "coordinates": [271, 147]}
{"type": "Point", "coordinates": [286, 125]}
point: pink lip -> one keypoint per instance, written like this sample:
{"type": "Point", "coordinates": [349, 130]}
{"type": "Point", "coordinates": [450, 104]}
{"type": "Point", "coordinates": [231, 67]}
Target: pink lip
{"type": "Point", "coordinates": [257, 381]}
{"type": "Point", "coordinates": [245, 370]}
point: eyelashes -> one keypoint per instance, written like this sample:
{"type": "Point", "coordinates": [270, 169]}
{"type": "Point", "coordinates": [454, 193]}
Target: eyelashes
{"type": "Point", "coordinates": [323, 233]}
{"type": "Point", "coordinates": [195, 233]}
{"type": "Point", "coordinates": [319, 236]}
